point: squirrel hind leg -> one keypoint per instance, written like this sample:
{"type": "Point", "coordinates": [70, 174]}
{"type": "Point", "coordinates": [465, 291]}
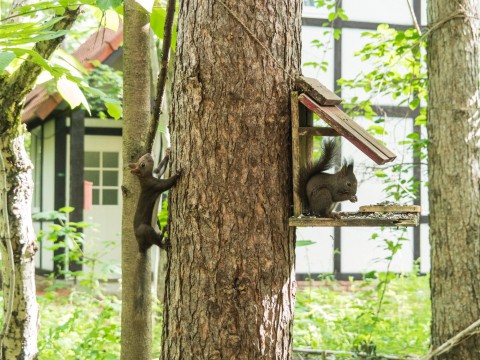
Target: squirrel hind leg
{"type": "Point", "coordinates": [321, 203]}
{"type": "Point", "coordinates": [147, 236]}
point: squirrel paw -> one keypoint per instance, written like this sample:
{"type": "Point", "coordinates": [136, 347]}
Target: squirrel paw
{"type": "Point", "coordinates": [335, 215]}
{"type": "Point", "coordinates": [354, 198]}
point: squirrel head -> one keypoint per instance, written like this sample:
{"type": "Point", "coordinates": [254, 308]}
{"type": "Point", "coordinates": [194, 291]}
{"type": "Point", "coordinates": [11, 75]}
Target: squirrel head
{"type": "Point", "coordinates": [348, 181]}
{"type": "Point", "coordinates": [143, 167]}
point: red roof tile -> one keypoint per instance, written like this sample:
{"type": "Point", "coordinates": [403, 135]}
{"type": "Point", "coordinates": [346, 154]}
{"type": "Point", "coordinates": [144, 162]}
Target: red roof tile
{"type": "Point", "coordinates": [39, 104]}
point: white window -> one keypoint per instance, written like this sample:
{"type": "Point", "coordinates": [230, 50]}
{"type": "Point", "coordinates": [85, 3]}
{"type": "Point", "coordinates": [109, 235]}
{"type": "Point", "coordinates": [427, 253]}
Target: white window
{"type": "Point", "coordinates": [102, 169]}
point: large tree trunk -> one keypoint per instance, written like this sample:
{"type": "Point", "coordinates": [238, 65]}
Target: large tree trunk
{"type": "Point", "coordinates": [230, 280]}
{"type": "Point", "coordinates": [136, 269]}
{"type": "Point", "coordinates": [454, 172]}
{"type": "Point", "coordinates": [21, 339]}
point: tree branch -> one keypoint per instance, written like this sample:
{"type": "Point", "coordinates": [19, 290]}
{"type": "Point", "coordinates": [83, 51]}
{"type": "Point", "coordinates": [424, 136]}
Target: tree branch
{"type": "Point", "coordinates": [162, 76]}
{"type": "Point", "coordinates": [21, 82]}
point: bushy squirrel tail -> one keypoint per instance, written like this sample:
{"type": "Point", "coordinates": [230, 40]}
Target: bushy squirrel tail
{"type": "Point", "coordinates": [140, 290]}
{"type": "Point", "coordinates": [326, 161]}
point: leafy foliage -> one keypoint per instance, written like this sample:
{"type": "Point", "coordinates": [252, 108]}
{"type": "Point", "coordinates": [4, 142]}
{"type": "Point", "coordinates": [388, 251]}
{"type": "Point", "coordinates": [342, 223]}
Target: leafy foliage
{"type": "Point", "coordinates": [395, 69]}
{"type": "Point", "coordinates": [77, 325]}
{"type": "Point", "coordinates": [38, 20]}
{"type": "Point", "coordinates": [67, 235]}
{"type": "Point", "coordinates": [330, 317]}
{"type": "Point", "coordinates": [108, 93]}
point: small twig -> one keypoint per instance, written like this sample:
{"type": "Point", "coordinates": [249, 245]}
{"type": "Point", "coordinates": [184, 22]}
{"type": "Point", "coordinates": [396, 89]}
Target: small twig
{"type": "Point", "coordinates": [11, 297]}
{"type": "Point", "coordinates": [162, 76]}
{"type": "Point", "coordinates": [414, 18]}
{"type": "Point", "coordinates": [453, 341]}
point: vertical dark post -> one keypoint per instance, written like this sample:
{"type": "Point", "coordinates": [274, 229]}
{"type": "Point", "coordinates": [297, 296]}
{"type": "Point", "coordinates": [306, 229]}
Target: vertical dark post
{"type": "Point", "coordinates": [60, 179]}
{"type": "Point", "coordinates": [77, 140]}
{"type": "Point", "coordinates": [337, 75]}
{"type": "Point", "coordinates": [417, 170]}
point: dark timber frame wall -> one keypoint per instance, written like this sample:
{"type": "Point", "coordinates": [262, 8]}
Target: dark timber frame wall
{"type": "Point", "coordinates": [391, 111]}
{"type": "Point", "coordinates": [77, 149]}
{"type": "Point", "coordinates": [77, 132]}
{"type": "Point", "coordinates": [60, 175]}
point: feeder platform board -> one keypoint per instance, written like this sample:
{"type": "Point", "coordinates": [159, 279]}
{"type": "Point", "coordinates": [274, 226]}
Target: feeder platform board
{"type": "Point", "coordinates": [372, 215]}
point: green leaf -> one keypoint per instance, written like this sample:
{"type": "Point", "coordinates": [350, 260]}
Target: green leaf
{"type": "Point", "coordinates": [34, 57]}
{"type": "Point", "coordinates": [71, 93]}
{"type": "Point", "coordinates": [157, 21]}
{"type": "Point", "coordinates": [66, 209]}
{"type": "Point", "coordinates": [111, 20]}
{"type": "Point", "coordinates": [5, 59]}
{"type": "Point", "coordinates": [414, 103]}
{"type": "Point", "coordinates": [304, 243]}
{"type": "Point", "coordinates": [108, 4]}
{"type": "Point", "coordinates": [114, 110]}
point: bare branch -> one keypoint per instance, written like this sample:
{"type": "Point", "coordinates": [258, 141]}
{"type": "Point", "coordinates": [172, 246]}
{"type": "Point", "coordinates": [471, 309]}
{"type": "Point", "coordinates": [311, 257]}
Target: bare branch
{"type": "Point", "coordinates": [162, 76]}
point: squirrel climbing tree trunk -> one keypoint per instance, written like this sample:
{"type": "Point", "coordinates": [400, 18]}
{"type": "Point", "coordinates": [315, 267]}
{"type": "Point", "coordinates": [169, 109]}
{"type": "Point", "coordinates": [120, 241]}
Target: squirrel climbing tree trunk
{"type": "Point", "coordinates": [136, 269]}
{"type": "Point", "coordinates": [454, 153]}
{"type": "Point", "coordinates": [230, 278]}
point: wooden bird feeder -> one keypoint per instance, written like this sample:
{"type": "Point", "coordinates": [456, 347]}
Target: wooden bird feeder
{"type": "Point", "coordinates": [311, 98]}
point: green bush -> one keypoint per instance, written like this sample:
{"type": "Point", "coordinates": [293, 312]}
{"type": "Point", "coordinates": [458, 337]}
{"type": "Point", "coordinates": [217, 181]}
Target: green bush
{"type": "Point", "coordinates": [329, 317]}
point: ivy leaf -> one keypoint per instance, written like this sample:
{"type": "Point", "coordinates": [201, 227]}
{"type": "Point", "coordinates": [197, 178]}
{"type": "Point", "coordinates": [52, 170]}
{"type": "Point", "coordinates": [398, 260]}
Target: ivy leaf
{"type": "Point", "coordinates": [5, 59]}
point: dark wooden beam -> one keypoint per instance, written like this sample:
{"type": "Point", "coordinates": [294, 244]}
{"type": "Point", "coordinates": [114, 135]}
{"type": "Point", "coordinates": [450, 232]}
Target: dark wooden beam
{"type": "Point", "coordinates": [77, 141]}
{"type": "Point", "coordinates": [317, 131]}
{"type": "Point", "coordinates": [348, 128]}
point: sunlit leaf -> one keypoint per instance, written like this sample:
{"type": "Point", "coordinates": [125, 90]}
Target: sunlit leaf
{"type": "Point", "coordinates": [114, 110]}
{"type": "Point", "coordinates": [5, 59]}
{"type": "Point", "coordinates": [157, 21]}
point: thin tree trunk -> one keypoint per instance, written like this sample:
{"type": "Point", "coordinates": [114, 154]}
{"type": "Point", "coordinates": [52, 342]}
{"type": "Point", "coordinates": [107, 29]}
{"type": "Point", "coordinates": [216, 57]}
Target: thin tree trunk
{"type": "Point", "coordinates": [230, 279]}
{"type": "Point", "coordinates": [21, 339]}
{"type": "Point", "coordinates": [136, 269]}
{"type": "Point", "coordinates": [454, 172]}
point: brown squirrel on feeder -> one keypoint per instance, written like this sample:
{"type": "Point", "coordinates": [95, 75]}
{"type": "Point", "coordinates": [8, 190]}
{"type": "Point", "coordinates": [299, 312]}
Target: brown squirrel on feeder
{"type": "Point", "coordinates": [151, 188]}
{"type": "Point", "coordinates": [320, 191]}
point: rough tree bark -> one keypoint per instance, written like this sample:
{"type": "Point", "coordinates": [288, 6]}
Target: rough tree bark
{"type": "Point", "coordinates": [136, 270]}
{"type": "Point", "coordinates": [230, 279]}
{"type": "Point", "coordinates": [21, 339]}
{"type": "Point", "coordinates": [454, 172]}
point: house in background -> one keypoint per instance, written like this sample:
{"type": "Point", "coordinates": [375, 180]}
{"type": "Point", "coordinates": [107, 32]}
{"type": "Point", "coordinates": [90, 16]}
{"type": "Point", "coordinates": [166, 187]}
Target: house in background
{"type": "Point", "coordinates": [68, 148]}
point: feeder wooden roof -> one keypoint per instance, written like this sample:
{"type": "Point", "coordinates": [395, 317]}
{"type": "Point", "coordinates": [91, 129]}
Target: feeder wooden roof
{"type": "Point", "coordinates": [321, 101]}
